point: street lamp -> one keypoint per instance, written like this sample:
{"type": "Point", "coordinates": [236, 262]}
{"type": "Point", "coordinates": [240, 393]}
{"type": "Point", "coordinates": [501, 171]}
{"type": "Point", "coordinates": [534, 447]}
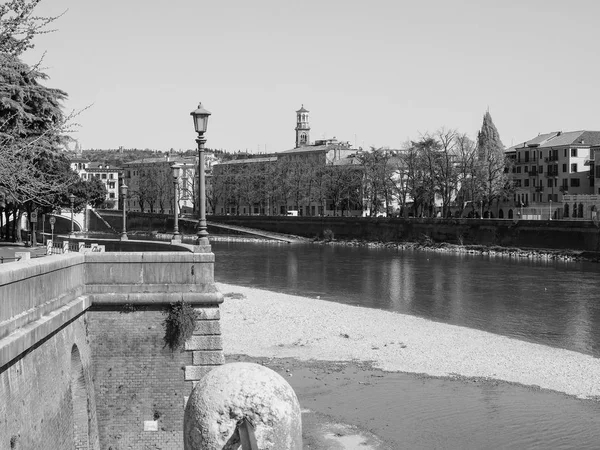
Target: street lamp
{"type": "Point", "coordinates": [123, 190]}
{"type": "Point", "coordinates": [72, 198]}
{"type": "Point", "coordinates": [175, 168]}
{"type": "Point", "coordinates": [200, 117]}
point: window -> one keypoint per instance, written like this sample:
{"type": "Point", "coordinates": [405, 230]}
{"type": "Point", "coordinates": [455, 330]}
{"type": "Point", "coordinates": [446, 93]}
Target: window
{"type": "Point", "coordinates": [565, 153]}
{"type": "Point", "coordinates": [519, 169]}
{"type": "Point", "coordinates": [573, 152]}
{"type": "Point", "coordinates": [111, 176]}
{"type": "Point", "coordinates": [526, 169]}
{"type": "Point", "coordinates": [565, 182]}
{"type": "Point", "coordinates": [574, 168]}
{"type": "Point", "coordinates": [104, 176]}
{"type": "Point", "coordinates": [549, 182]}
{"type": "Point", "coordinates": [111, 195]}
{"type": "Point", "coordinates": [541, 169]}
{"type": "Point", "coordinates": [526, 182]}
{"type": "Point", "coordinates": [527, 156]}
{"type": "Point", "coordinates": [549, 197]}
{"type": "Point", "coordinates": [564, 168]}
{"type": "Point", "coordinates": [574, 182]}
{"type": "Point", "coordinates": [517, 183]}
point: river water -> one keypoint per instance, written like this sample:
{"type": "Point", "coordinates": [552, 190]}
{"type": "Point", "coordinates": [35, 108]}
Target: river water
{"type": "Point", "coordinates": [547, 302]}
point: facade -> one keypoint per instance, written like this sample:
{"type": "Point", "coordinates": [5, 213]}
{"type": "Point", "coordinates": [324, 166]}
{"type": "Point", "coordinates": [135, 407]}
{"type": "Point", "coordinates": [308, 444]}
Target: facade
{"type": "Point", "coordinates": [151, 186]}
{"type": "Point", "coordinates": [109, 176]}
{"type": "Point", "coordinates": [247, 186]}
{"type": "Point", "coordinates": [548, 168]}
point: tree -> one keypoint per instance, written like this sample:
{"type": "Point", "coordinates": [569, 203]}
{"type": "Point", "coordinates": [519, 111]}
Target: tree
{"type": "Point", "coordinates": [32, 124]}
{"type": "Point", "coordinates": [491, 164]}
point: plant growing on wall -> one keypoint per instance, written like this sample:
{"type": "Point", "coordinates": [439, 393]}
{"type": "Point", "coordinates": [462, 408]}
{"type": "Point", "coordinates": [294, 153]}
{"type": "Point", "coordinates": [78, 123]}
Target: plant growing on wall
{"type": "Point", "coordinates": [179, 324]}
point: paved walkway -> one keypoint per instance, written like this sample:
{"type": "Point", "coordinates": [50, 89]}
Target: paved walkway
{"type": "Point", "coordinates": [8, 249]}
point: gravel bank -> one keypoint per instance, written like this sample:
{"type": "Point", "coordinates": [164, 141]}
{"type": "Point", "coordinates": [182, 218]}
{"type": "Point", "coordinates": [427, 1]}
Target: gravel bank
{"type": "Point", "coordinates": [270, 324]}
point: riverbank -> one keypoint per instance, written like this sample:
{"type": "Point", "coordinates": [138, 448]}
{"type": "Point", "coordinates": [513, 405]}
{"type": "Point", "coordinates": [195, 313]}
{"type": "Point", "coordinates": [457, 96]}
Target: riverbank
{"type": "Point", "coordinates": [495, 250]}
{"type": "Point", "coordinates": [253, 321]}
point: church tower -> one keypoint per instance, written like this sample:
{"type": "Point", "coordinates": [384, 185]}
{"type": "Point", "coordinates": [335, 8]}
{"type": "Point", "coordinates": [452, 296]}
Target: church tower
{"type": "Point", "coordinates": [302, 128]}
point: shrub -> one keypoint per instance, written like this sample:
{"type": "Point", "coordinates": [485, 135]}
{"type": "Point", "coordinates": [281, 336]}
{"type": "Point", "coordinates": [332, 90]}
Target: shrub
{"type": "Point", "coordinates": [328, 235]}
{"type": "Point", "coordinates": [179, 324]}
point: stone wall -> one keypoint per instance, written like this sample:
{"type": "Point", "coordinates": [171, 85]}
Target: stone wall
{"type": "Point", "coordinates": [556, 234]}
{"type": "Point", "coordinates": [137, 221]}
{"type": "Point", "coordinates": [46, 392]}
{"type": "Point", "coordinates": [82, 357]}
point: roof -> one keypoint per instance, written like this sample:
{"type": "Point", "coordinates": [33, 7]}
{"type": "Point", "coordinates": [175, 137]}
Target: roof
{"type": "Point", "coordinates": [302, 109]}
{"type": "Point", "coordinates": [560, 139]}
{"type": "Point", "coordinates": [317, 149]}
{"type": "Point", "coordinates": [309, 148]}
{"type": "Point", "coordinates": [159, 160]}
{"type": "Point", "coordinates": [101, 166]}
{"type": "Point", "coordinates": [247, 160]}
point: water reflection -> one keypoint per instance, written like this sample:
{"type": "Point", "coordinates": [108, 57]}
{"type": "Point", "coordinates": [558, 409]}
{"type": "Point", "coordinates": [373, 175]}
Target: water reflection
{"type": "Point", "coordinates": [548, 302]}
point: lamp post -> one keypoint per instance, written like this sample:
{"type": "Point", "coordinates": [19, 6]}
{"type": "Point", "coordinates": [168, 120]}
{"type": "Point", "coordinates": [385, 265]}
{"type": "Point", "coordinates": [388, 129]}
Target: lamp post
{"type": "Point", "coordinates": [72, 198]}
{"type": "Point", "coordinates": [200, 117]}
{"type": "Point", "coordinates": [123, 190]}
{"type": "Point", "coordinates": [175, 168]}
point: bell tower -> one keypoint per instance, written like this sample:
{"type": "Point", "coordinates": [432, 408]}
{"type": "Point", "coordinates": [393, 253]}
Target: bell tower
{"type": "Point", "coordinates": [302, 128]}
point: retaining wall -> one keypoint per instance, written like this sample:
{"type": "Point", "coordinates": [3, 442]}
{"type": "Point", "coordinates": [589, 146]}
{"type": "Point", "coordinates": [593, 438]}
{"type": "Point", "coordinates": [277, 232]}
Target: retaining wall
{"type": "Point", "coordinates": [556, 234]}
{"type": "Point", "coordinates": [83, 360]}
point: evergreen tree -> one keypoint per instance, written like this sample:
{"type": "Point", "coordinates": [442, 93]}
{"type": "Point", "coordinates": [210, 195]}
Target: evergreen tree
{"type": "Point", "coordinates": [488, 138]}
{"type": "Point", "coordinates": [33, 170]}
{"type": "Point", "coordinates": [491, 175]}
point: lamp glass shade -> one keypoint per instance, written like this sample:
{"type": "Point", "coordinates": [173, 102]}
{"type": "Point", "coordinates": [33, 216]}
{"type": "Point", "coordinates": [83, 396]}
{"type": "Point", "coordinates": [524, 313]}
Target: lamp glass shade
{"type": "Point", "coordinates": [123, 189]}
{"type": "Point", "coordinates": [200, 117]}
{"type": "Point", "coordinates": [72, 198]}
{"type": "Point", "coordinates": [176, 171]}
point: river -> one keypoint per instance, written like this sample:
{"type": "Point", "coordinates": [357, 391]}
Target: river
{"type": "Point", "coordinates": [547, 302]}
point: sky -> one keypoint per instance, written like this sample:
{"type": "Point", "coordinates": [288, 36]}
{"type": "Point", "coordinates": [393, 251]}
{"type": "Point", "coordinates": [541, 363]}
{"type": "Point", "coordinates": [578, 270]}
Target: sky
{"type": "Point", "coordinates": [375, 73]}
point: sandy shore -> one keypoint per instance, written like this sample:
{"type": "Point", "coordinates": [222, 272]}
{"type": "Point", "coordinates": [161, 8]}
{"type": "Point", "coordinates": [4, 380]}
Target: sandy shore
{"type": "Point", "coordinates": [275, 325]}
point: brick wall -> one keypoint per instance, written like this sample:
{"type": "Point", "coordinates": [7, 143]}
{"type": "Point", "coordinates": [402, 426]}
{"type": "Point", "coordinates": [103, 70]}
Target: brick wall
{"type": "Point", "coordinates": [36, 392]}
{"type": "Point", "coordinates": [139, 381]}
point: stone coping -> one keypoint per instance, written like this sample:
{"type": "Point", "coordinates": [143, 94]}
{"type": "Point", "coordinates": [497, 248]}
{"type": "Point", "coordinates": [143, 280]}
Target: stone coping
{"type": "Point", "coordinates": [32, 333]}
{"type": "Point", "coordinates": [22, 315]}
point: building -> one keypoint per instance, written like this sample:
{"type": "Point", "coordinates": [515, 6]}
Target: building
{"type": "Point", "coordinates": [151, 184]}
{"type": "Point", "coordinates": [280, 183]}
{"type": "Point", "coordinates": [108, 175]}
{"type": "Point", "coordinates": [550, 167]}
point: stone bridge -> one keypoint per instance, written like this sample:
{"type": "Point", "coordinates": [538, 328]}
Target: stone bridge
{"type": "Point", "coordinates": [83, 360]}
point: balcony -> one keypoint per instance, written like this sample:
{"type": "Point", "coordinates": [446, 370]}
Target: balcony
{"type": "Point", "coordinates": [551, 158]}
{"type": "Point", "coordinates": [532, 173]}
{"type": "Point", "coordinates": [551, 174]}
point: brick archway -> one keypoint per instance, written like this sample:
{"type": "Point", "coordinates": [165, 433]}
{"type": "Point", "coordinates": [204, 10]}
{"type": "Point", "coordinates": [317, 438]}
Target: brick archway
{"type": "Point", "coordinates": [81, 429]}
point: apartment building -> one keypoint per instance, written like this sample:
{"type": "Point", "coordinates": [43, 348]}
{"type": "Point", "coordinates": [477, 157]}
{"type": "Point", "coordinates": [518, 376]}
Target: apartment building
{"type": "Point", "coordinates": [551, 166]}
{"type": "Point", "coordinates": [108, 175]}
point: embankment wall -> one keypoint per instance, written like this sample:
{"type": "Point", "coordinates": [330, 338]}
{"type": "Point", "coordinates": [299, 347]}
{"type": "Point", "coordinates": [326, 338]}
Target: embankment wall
{"type": "Point", "coordinates": [556, 234]}
{"type": "Point", "coordinates": [83, 362]}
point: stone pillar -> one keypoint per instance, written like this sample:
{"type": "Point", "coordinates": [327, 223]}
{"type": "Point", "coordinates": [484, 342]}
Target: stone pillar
{"type": "Point", "coordinates": [205, 344]}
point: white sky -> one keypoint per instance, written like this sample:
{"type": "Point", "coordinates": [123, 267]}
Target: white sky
{"type": "Point", "coordinates": [373, 72]}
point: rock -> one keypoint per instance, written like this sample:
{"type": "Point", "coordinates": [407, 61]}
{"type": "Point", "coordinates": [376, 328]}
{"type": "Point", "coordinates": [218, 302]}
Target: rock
{"type": "Point", "coordinates": [234, 391]}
